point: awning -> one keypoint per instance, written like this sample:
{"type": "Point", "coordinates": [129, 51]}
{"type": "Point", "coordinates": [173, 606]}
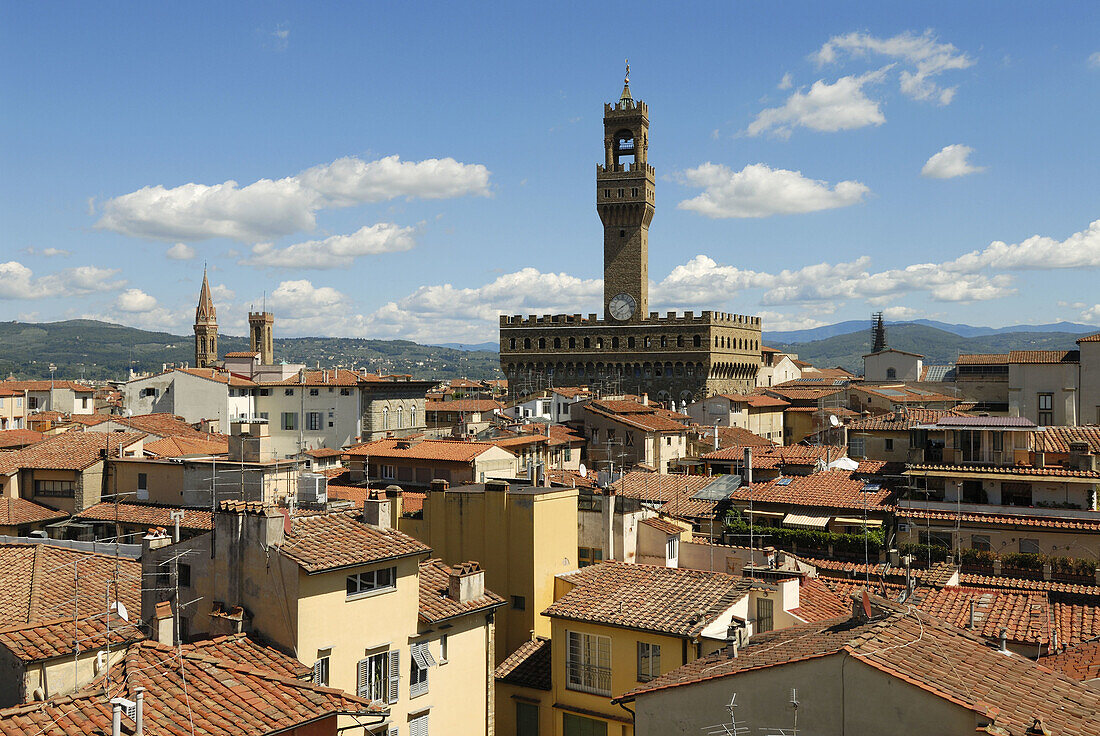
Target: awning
{"type": "Point", "coordinates": [809, 520]}
{"type": "Point", "coordinates": [851, 521]}
{"type": "Point", "coordinates": [769, 514]}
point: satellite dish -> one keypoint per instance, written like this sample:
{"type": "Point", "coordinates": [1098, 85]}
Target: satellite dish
{"type": "Point", "coordinates": [833, 420]}
{"type": "Point", "coordinates": [583, 471]}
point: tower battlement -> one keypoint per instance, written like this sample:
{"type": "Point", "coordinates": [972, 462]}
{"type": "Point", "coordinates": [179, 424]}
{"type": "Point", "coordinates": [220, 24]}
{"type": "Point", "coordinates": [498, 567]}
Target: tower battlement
{"type": "Point", "coordinates": [625, 171]}
{"type": "Point", "coordinates": [706, 317]}
{"type": "Point", "coordinates": [610, 109]}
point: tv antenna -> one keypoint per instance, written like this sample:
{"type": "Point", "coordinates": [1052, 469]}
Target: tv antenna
{"type": "Point", "coordinates": [733, 728]}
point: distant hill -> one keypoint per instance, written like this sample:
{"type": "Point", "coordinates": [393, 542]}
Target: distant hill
{"type": "Point", "coordinates": [489, 346]}
{"type": "Point", "coordinates": [856, 325]}
{"type": "Point", "coordinates": [936, 345]}
{"type": "Point", "coordinates": [100, 350]}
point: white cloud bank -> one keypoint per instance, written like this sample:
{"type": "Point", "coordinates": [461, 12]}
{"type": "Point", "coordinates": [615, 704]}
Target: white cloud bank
{"type": "Point", "coordinates": [180, 252]}
{"type": "Point", "coordinates": [18, 282]}
{"type": "Point", "coordinates": [826, 107]}
{"type": "Point", "coordinates": [338, 251]}
{"type": "Point", "coordinates": [761, 191]}
{"type": "Point", "coordinates": [268, 209]}
{"type": "Point", "coordinates": [135, 300]}
{"type": "Point", "coordinates": [950, 162]}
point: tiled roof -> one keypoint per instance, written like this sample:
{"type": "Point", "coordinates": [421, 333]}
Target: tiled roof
{"type": "Point", "coordinates": [833, 489]}
{"type": "Point", "coordinates": [335, 377]}
{"type": "Point", "coordinates": [528, 666]}
{"type": "Point", "coordinates": [618, 406]}
{"type": "Point", "coordinates": [958, 420]}
{"type": "Point", "coordinates": [774, 457]}
{"type": "Point", "coordinates": [51, 639]}
{"type": "Point", "coordinates": [242, 354]}
{"type": "Point", "coordinates": [982, 359]}
{"type": "Point", "coordinates": [1075, 622]}
{"type": "Point", "coordinates": [923, 651]}
{"type": "Point", "coordinates": [1025, 617]}
{"type": "Point", "coordinates": [1053, 586]}
{"type": "Point", "coordinates": [217, 696]}
{"type": "Point", "coordinates": [71, 450]}
{"type": "Point", "coordinates": [571, 479]}
{"type": "Point", "coordinates": [89, 420]}
{"type": "Point", "coordinates": [186, 447]}
{"type": "Point", "coordinates": [738, 436]}
{"type": "Point", "coordinates": [161, 425]}
{"type": "Point", "coordinates": [658, 487]}
{"type": "Point", "coordinates": [816, 602]}
{"type": "Point", "coordinates": [668, 600]}
{"type": "Point", "coordinates": [19, 511]}
{"type": "Point", "coordinates": [902, 394]}
{"type": "Point", "coordinates": [758, 401]}
{"type": "Point", "coordinates": [1003, 470]}
{"type": "Point", "coordinates": [324, 452]}
{"type": "Point", "coordinates": [464, 383]}
{"type": "Point", "coordinates": [805, 394]}
{"type": "Point", "coordinates": [571, 392]}
{"type": "Point", "coordinates": [1057, 439]}
{"type": "Point", "coordinates": [1079, 662]}
{"type": "Point", "coordinates": [688, 508]}
{"type": "Point", "coordinates": [1053, 523]}
{"type": "Point", "coordinates": [663, 525]}
{"type": "Point", "coordinates": [19, 437]}
{"type": "Point", "coordinates": [331, 541]}
{"type": "Point", "coordinates": [242, 650]}
{"type": "Point", "coordinates": [44, 386]}
{"type": "Point", "coordinates": [441, 450]}
{"type": "Point", "coordinates": [1090, 338]}
{"type": "Point", "coordinates": [649, 421]}
{"type": "Point", "coordinates": [37, 582]}
{"type": "Point", "coordinates": [463, 405]}
{"type": "Point", "coordinates": [1044, 356]}
{"type": "Point", "coordinates": [147, 515]}
{"type": "Point", "coordinates": [435, 603]}
{"type": "Point", "coordinates": [896, 421]}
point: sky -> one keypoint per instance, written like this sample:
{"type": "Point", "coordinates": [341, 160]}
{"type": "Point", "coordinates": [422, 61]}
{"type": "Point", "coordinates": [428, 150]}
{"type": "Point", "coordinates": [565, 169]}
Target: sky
{"type": "Point", "coordinates": [415, 170]}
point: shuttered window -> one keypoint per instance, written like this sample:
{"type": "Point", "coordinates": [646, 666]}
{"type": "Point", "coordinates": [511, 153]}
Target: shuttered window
{"type": "Point", "coordinates": [395, 677]}
{"type": "Point", "coordinates": [372, 677]}
{"type": "Point", "coordinates": [422, 659]}
{"type": "Point", "coordinates": [419, 726]}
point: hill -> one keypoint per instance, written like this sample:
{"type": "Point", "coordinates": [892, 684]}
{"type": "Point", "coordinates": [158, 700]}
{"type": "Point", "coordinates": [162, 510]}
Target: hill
{"type": "Point", "coordinates": [100, 350]}
{"type": "Point", "coordinates": [855, 325]}
{"type": "Point", "coordinates": [936, 345]}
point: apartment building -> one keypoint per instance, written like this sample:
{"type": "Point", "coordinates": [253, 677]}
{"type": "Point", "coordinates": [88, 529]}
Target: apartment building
{"type": "Point", "coordinates": [760, 414]}
{"type": "Point", "coordinates": [416, 462]}
{"type": "Point", "coordinates": [12, 409]}
{"type": "Point", "coordinates": [67, 397]}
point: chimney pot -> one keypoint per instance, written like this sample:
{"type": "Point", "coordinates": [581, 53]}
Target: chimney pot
{"type": "Point", "coordinates": [139, 712]}
{"type": "Point", "coordinates": [116, 718]}
{"type": "Point", "coordinates": [466, 582]}
{"type": "Point", "coordinates": [439, 484]}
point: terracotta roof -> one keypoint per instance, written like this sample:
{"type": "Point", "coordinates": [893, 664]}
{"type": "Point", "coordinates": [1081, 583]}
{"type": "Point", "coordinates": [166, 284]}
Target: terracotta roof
{"type": "Point", "coordinates": [161, 425]}
{"type": "Point", "coordinates": [1079, 662]}
{"type": "Point", "coordinates": [982, 359]}
{"type": "Point", "coordinates": [44, 385]}
{"type": "Point", "coordinates": [816, 602]}
{"type": "Point", "coordinates": [324, 452]}
{"type": "Point", "coordinates": [186, 447]}
{"type": "Point", "coordinates": [1025, 617]}
{"type": "Point", "coordinates": [570, 392]}
{"type": "Point", "coordinates": [51, 639]}
{"type": "Point", "coordinates": [901, 394]}
{"type": "Point", "coordinates": [658, 487]}
{"type": "Point", "coordinates": [412, 502]}
{"type": "Point", "coordinates": [668, 600]}
{"type": "Point", "coordinates": [88, 420]}
{"type": "Point", "coordinates": [758, 401]}
{"type": "Point", "coordinates": [805, 394]}
{"type": "Point", "coordinates": [147, 515]}
{"type": "Point", "coordinates": [571, 479]}
{"type": "Point", "coordinates": [336, 377]}
{"type": "Point", "coordinates": [19, 438]}
{"type": "Point", "coordinates": [1075, 622]}
{"type": "Point", "coordinates": [1054, 523]}
{"type": "Point", "coordinates": [528, 666]}
{"type": "Point", "coordinates": [989, 581]}
{"type": "Point", "coordinates": [687, 508]}
{"type": "Point", "coordinates": [1002, 470]}
{"type": "Point", "coordinates": [37, 582]}
{"type": "Point", "coordinates": [463, 405]}
{"type": "Point", "coordinates": [738, 436]}
{"type": "Point", "coordinates": [1089, 338]}
{"type": "Point", "coordinates": [961, 420]}
{"type": "Point", "coordinates": [833, 489]}
{"type": "Point", "coordinates": [458, 451]}
{"type": "Point", "coordinates": [464, 383]}
{"type": "Point", "coordinates": [71, 450]}
{"type": "Point", "coordinates": [774, 457]}
{"type": "Point", "coordinates": [437, 605]}
{"type": "Point", "coordinates": [217, 696]}
{"type": "Point", "coordinates": [1044, 356]}
{"type": "Point", "coordinates": [242, 650]}
{"type": "Point", "coordinates": [335, 540]}
{"type": "Point", "coordinates": [896, 421]}
{"type": "Point", "coordinates": [923, 651]}
{"type": "Point", "coordinates": [1057, 439]}
{"type": "Point", "coordinates": [242, 354]}
{"type": "Point", "coordinates": [619, 406]}
{"type": "Point", "coordinates": [20, 511]}
{"type": "Point", "coordinates": [663, 525]}
{"type": "Point", "coordinates": [649, 421]}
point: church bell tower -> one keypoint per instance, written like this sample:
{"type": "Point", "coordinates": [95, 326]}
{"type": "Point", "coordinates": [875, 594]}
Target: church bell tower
{"type": "Point", "coordinates": [625, 200]}
{"type": "Point", "coordinates": [206, 328]}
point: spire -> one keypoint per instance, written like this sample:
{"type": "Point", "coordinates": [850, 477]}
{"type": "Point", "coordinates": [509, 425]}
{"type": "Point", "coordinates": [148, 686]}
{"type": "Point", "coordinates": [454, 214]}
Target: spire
{"type": "Point", "coordinates": [205, 311]}
{"type": "Point", "coordinates": [878, 333]}
{"type": "Point", "coordinates": [626, 85]}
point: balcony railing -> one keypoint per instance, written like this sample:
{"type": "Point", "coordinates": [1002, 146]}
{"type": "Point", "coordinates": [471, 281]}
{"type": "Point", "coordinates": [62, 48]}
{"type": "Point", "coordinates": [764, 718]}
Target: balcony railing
{"type": "Point", "coordinates": [588, 678]}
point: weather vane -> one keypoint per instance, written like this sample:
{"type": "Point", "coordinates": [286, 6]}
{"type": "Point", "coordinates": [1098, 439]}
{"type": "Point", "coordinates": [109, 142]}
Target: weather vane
{"type": "Point", "coordinates": [626, 79]}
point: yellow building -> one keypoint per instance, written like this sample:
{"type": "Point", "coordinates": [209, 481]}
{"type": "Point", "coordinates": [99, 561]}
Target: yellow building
{"type": "Point", "coordinates": [522, 535]}
{"type": "Point", "coordinates": [12, 409]}
{"type": "Point", "coordinates": [347, 595]}
{"type": "Point", "coordinates": [616, 625]}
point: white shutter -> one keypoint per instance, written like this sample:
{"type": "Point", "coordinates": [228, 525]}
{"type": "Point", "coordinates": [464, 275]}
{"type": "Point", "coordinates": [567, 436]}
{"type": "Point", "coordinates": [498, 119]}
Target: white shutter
{"type": "Point", "coordinates": [392, 731]}
{"type": "Point", "coordinates": [362, 677]}
{"type": "Point", "coordinates": [395, 675]}
{"type": "Point", "coordinates": [417, 652]}
{"type": "Point", "coordinates": [317, 673]}
{"type": "Point", "coordinates": [419, 726]}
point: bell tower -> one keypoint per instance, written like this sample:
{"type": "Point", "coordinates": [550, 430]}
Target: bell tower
{"type": "Point", "coordinates": [206, 328]}
{"type": "Point", "coordinates": [625, 185]}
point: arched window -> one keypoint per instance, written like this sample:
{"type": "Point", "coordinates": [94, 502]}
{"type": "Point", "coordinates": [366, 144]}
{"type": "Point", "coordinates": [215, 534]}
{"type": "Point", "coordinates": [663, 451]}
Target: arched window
{"type": "Point", "coordinates": [202, 344]}
{"type": "Point", "coordinates": [630, 342]}
{"type": "Point", "coordinates": [697, 341]}
{"type": "Point", "coordinates": [512, 343]}
{"type": "Point", "coordinates": [557, 343]}
{"type": "Point", "coordinates": [526, 343]}
{"type": "Point", "coordinates": [412, 416]}
{"type": "Point", "coordinates": [664, 341]}
{"type": "Point", "coordinates": [716, 341]}
{"type": "Point", "coordinates": [542, 343]}
{"type": "Point", "coordinates": [891, 374]}
{"type": "Point", "coordinates": [599, 343]}
{"type": "Point", "coordinates": [385, 417]}
{"type": "Point", "coordinates": [400, 418]}
{"type": "Point", "coordinates": [572, 343]}
{"type": "Point", "coordinates": [679, 341]}
{"type": "Point", "coordinates": [614, 343]}
{"type": "Point", "coordinates": [587, 343]}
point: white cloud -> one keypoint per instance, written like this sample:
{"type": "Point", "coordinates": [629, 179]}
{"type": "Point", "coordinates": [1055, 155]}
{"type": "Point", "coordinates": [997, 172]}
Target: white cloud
{"type": "Point", "coordinates": [47, 252]}
{"type": "Point", "coordinates": [267, 209]}
{"type": "Point", "coordinates": [135, 300]}
{"type": "Point", "coordinates": [826, 107]}
{"type": "Point", "coordinates": [1079, 250]}
{"type": "Point", "coordinates": [221, 293]}
{"type": "Point", "coordinates": [785, 82]}
{"type": "Point", "coordinates": [1091, 315]}
{"type": "Point", "coordinates": [180, 252]}
{"type": "Point", "coordinates": [338, 251]}
{"type": "Point", "coordinates": [1094, 60]}
{"type": "Point", "coordinates": [761, 191]}
{"type": "Point", "coordinates": [18, 282]}
{"type": "Point", "coordinates": [899, 313]}
{"type": "Point", "coordinates": [779, 322]}
{"type": "Point", "coordinates": [950, 162]}
{"type": "Point", "coordinates": [925, 56]}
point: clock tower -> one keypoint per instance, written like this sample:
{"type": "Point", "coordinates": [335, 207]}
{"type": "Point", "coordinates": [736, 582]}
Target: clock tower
{"type": "Point", "coordinates": [624, 198]}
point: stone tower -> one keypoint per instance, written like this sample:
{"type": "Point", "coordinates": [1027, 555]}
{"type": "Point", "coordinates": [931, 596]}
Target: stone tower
{"type": "Point", "coordinates": [261, 335]}
{"type": "Point", "coordinates": [206, 328]}
{"type": "Point", "coordinates": [625, 200]}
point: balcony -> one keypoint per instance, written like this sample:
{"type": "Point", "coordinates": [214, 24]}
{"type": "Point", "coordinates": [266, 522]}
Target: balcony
{"type": "Point", "coordinates": [588, 678]}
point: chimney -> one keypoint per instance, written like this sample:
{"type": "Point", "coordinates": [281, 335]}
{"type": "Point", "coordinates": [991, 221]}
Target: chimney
{"type": "Point", "coordinates": [1004, 640]}
{"type": "Point", "coordinates": [116, 716]}
{"type": "Point", "coordinates": [139, 712]}
{"type": "Point", "coordinates": [495, 484]}
{"type": "Point", "coordinates": [439, 485]}
{"type": "Point", "coordinates": [376, 511]}
{"type": "Point", "coordinates": [154, 539]}
{"type": "Point", "coordinates": [466, 582]}
{"type": "Point", "coordinates": [746, 474]}
{"type": "Point", "coordinates": [973, 611]}
{"type": "Point", "coordinates": [164, 624]}
{"type": "Point", "coordinates": [645, 399]}
{"type": "Point", "coordinates": [395, 500]}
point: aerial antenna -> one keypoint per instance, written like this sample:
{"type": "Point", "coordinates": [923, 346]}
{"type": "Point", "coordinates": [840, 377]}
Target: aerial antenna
{"type": "Point", "coordinates": [733, 728]}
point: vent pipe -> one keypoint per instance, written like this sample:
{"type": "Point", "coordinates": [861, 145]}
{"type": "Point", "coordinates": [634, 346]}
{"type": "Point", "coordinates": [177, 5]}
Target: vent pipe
{"type": "Point", "coordinates": [139, 712]}
{"type": "Point", "coordinates": [746, 473]}
{"type": "Point", "coordinates": [973, 606]}
{"type": "Point", "coordinates": [1004, 640]}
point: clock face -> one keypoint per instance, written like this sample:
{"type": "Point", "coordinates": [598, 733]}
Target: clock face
{"type": "Point", "coordinates": [622, 306]}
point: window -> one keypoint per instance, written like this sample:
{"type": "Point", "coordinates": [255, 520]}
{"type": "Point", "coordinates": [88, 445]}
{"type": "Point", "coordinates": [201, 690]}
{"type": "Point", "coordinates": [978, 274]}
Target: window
{"type": "Point", "coordinates": [183, 575]}
{"type": "Point", "coordinates": [696, 341]}
{"type": "Point", "coordinates": [320, 671]}
{"type": "Point", "coordinates": [313, 421]}
{"type": "Point", "coordinates": [288, 392]}
{"type": "Point", "coordinates": [84, 403]}
{"type": "Point", "coordinates": [421, 660]}
{"type": "Point", "coordinates": [620, 192]}
{"type": "Point", "coordinates": [764, 616]}
{"type": "Point", "coordinates": [388, 472]}
{"type": "Point", "coordinates": [143, 481]}
{"type": "Point", "coordinates": [512, 344]}
{"type": "Point", "coordinates": [634, 191]}
{"type": "Point", "coordinates": [58, 488]}
{"type": "Point", "coordinates": [981, 542]}
{"type": "Point", "coordinates": [345, 392]}
{"type": "Point", "coordinates": [629, 438]}
{"type": "Point", "coordinates": [589, 555]}
{"type": "Point", "coordinates": [144, 392]}
{"type": "Point", "coordinates": [527, 719]}
{"type": "Point", "coordinates": [1046, 410]}
{"type": "Point", "coordinates": [573, 725]}
{"type": "Point", "coordinates": [856, 447]}
{"type": "Point", "coordinates": [385, 418]}
{"type": "Point", "coordinates": [1029, 546]}
{"type": "Point", "coordinates": [290, 420]}
{"type": "Point", "coordinates": [519, 603]}
{"type": "Point", "coordinates": [588, 663]}
{"type": "Point", "coordinates": [649, 661]}
{"type": "Point", "coordinates": [443, 649]}
{"type": "Point", "coordinates": [888, 444]}
{"type": "Point", "coordinates": [891, 374]}
{"type": "Point", "coordinates": [672, 549]}
{"type": "Point", "coordinates": [315, 392]}
{"type": "Point", "coordinates": [265, 392]}
{"type": "Point", "coordinates": [367, 582]}
{"type": "Point", "coordinates": [419, 726]}
{"type": "Point", "coordinates": [400, 417]}
{"type": "Point", "coordinates": [376, 677]}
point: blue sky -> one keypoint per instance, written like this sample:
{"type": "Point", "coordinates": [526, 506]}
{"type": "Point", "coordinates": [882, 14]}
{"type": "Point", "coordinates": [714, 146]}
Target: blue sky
{"type": "Point", "coordinates": [413, 170]}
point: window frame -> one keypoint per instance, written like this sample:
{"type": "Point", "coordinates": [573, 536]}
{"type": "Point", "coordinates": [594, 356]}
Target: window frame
{"type": "Point", "coordinates": [648, 660]}
{"type": "Point", "coordinates": [581, 674]}
{"type": "Point", "coordinates": [371, 582]}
